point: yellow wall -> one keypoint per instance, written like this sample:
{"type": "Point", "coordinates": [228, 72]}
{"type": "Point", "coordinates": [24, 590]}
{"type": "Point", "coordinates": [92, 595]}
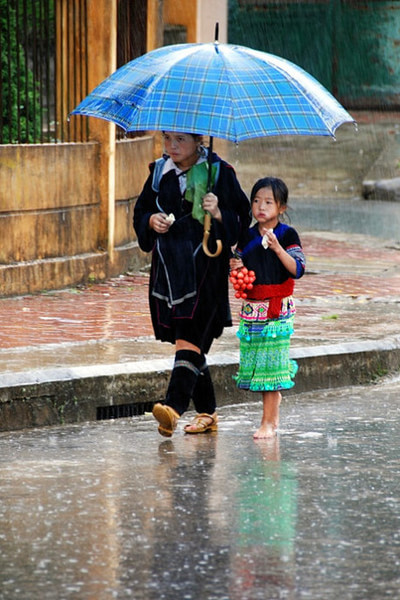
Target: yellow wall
{"type": "Point", "coordinates": [50, 213]}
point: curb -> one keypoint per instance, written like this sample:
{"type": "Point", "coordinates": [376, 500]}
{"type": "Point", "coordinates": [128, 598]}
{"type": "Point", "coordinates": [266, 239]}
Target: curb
{"type": "Point", "coordinates": [55, 396]}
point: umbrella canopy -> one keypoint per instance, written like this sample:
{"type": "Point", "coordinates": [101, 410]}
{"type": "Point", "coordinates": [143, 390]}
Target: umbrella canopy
{"type": "Point", "coordinates": [221, 90]}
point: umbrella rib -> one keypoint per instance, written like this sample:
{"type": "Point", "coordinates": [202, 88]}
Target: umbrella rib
{"type": "Point", "coordinates": [233, 100]}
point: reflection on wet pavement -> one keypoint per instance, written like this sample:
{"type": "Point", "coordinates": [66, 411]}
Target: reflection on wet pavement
{"type": "Point", "coordinates": [112, 510]}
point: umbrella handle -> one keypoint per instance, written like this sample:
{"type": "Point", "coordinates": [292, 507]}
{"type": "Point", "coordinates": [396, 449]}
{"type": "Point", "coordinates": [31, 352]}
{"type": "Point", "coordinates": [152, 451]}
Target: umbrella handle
{"type": "Point", "coordinates": [207, 227]}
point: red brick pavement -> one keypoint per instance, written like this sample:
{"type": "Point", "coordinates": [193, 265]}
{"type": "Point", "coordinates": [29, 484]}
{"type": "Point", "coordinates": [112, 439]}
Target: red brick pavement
{"type": "Point", "coordinates": [117, 309]}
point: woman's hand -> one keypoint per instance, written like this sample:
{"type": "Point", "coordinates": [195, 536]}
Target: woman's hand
{"type": "Point", "coordinates": [160, 222]}
{"type": "Point", "coordinates": [210, 204]}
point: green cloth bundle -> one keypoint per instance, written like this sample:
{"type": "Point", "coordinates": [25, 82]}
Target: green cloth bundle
{"type": "Point", "coordinates": [196, 187]}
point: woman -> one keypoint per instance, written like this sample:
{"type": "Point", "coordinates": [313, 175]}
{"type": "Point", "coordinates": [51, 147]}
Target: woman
{"type": "Point", "coordinates": [188, 290]}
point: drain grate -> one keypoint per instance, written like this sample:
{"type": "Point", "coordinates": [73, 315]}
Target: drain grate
{"type": "Point", "coordinates": [120, 411]}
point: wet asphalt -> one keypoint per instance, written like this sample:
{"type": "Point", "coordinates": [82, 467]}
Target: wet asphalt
{"type": "Point", "coordinates": [113, 510]}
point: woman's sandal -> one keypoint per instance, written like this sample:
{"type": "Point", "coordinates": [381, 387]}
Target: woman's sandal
{"type": "Point", "coordinates": [201, 423]}
{"type": "Point", "coordinates": [167, 417]}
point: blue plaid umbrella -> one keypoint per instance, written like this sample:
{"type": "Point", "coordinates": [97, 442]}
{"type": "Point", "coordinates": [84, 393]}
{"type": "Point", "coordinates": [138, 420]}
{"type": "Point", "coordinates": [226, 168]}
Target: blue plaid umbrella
{"type": "Point", "coordinates": [214, 89]}
{"type": "Point", "coordinates": [221, 90]}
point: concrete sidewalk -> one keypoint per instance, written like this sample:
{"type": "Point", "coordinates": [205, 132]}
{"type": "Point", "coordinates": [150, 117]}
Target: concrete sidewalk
{"type": "Point", "coordinates": [89, 353]}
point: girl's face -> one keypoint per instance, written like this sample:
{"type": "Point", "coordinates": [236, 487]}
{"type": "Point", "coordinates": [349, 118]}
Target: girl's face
{"type": "Point", "coordinates": [182, 148]}
{"type": "Point", "coordinates": [265, 209]}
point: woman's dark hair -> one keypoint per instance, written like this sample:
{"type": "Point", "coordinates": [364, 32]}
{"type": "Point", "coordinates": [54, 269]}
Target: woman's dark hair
{"type": "Point", "coordinates": [196, 136]}
{"type": "Point", "coordinates": [278, 187]}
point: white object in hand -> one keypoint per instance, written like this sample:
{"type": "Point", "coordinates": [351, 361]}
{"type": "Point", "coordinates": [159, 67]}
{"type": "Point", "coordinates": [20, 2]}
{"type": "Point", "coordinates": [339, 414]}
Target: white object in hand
{"type": "Point", "coordinates": [170, 219]}
{"type": "Point", "coordinates": [264, 241]}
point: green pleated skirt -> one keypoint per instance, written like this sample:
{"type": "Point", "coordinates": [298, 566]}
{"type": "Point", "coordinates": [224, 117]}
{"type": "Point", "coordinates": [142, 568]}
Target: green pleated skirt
{"type": "Point", "coordinates": [264, 347]}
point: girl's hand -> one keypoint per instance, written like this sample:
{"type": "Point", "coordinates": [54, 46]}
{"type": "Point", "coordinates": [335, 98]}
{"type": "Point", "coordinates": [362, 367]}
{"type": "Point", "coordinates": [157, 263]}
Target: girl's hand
{"type": "Point", "coordinates": [271, 239]}
{"type": "Point", "coordinates": [288, 261]}
{"type": "Point", "coordinates": [235, 263]}
{"type": "Point", "coordinates": [159, 222]}
{"type": "Point", "coordinates": [210, 204]}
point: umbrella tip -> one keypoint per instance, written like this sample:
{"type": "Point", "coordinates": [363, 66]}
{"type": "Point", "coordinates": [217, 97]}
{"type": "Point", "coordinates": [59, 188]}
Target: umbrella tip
{"type": "Point", "coordinates": [216, 32]}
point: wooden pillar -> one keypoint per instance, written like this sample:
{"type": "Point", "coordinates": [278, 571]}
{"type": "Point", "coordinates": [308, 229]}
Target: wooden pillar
{"type": "Point", "coordinates": [71, 56]}
{"type": "Point", "coordinates": [102, 61]}
{"type": "Point", "coordinates": [155, 23]}
{"type": "Point", "coordinates": [182, 12]}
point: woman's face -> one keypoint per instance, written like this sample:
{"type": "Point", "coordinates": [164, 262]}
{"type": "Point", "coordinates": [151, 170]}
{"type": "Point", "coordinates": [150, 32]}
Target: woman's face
{"type": "Point", "coordinates": [182, 148]}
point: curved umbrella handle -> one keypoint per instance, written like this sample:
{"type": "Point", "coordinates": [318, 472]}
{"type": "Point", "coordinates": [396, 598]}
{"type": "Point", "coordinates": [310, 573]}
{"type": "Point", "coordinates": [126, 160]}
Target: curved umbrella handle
{"type": "Point", "coordinates": [207, 227]}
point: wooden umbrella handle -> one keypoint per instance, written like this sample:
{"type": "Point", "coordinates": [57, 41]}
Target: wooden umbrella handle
{"type": "Point", "coordinates": [207, 216]}
{"type": "Point", "coordinates": [207, 227]}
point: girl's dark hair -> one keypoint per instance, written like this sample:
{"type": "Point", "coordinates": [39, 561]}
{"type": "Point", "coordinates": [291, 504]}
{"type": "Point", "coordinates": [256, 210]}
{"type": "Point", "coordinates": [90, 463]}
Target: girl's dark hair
{"type": "Point", "coordinates": [278, 187]}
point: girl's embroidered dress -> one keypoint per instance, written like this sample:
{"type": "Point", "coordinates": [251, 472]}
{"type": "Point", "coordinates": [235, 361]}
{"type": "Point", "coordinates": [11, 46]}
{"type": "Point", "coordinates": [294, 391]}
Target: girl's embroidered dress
{"type": "Point", "coordinates": [266, 318]}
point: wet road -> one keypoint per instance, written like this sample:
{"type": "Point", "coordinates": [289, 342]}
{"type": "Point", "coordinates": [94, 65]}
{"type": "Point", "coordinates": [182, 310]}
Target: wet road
{"type": "Point", "coordinates": [112, 510]}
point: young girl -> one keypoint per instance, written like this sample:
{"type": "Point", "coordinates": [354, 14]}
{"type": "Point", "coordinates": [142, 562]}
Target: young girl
{"type": "Point", "coordinates": [273, 251]}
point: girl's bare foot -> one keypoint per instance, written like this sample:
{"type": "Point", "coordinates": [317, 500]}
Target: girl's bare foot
{"type": "Point", "coordinates": [270, 416]}
{"type": "Point", "coordinates": [266, 431]}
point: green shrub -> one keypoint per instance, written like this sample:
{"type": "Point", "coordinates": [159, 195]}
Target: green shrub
{"type": "Point", "coordinates": [20, 110]}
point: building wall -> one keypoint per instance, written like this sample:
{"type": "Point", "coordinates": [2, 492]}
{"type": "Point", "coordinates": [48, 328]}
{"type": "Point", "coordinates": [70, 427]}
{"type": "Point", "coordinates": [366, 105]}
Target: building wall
{"type": "Point", "coordinates": [368, 53]}
{"type": "Point", "coordinates": [350, 46]}
{"type": "Point", "coordinates": [49, 207]}
{"type": "Point", "coordinates": [210, 12]}
{"type": "Point", "coordinates": [198, 17]}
